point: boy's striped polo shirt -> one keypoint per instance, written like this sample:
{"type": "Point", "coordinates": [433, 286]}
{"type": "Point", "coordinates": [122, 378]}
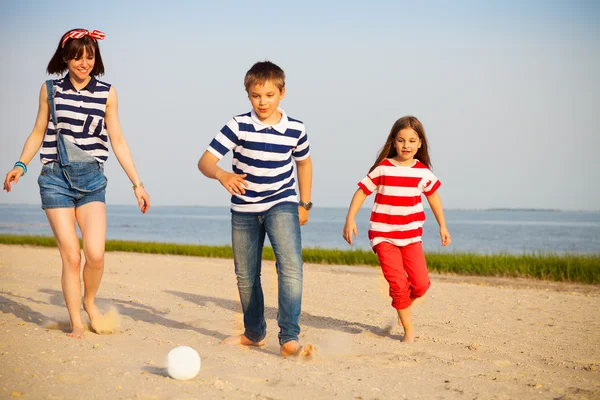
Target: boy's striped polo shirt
{"type": "Point", "coordinates": [266, 154]}
{"type": "Point", "coordinates": [80, 116]}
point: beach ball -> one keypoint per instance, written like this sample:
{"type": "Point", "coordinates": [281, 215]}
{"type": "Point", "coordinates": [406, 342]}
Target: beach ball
{"type": "Point", "coordinates": [183, 363]}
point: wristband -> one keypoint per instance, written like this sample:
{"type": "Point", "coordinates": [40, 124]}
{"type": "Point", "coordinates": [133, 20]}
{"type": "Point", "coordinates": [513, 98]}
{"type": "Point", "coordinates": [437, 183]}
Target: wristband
{"type": "Point", "coordinates": [138, 185]}
{"type": "Point", "coordinates": [22, 165]}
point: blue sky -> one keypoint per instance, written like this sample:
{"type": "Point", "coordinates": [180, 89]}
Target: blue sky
{"type": "Point", "coordinates": [508, 92]}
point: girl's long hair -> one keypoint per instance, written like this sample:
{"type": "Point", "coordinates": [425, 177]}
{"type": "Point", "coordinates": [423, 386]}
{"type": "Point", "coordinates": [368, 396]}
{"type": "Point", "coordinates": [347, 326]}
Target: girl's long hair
{"type": "Point", "coordinates": [389, 150]}
{"type": "Point", "coordinates": [74, 49]}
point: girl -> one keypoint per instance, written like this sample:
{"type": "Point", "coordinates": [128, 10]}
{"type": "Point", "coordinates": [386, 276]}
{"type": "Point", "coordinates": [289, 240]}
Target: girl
{"type": "Point", "coordinates": [400, 174]}
{"type": "Point", "coordinates": [74, 116]}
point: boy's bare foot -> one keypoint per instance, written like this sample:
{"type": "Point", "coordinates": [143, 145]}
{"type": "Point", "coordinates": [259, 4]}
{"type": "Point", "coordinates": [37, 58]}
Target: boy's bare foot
{"type": "Point", "coordinates": [243, 340]}
{"type": "Point", "coordinates": [76, 332]}
{"type": "Point", "coordinates": [293, 348]}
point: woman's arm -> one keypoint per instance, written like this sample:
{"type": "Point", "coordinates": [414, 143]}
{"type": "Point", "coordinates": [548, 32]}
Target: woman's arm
{"type": "Point", "coordinates": [121, 149]}
{"type": "Point", "coordinates": [436, 207]}
{"type": "Point", "coordinates": [34, 140]}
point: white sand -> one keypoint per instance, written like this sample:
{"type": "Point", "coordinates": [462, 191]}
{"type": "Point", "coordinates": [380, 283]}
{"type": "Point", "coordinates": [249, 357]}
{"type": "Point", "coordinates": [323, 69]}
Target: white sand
{"type": "Point", "coordinates": [476, 338]}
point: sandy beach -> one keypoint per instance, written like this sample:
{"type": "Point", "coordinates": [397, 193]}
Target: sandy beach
{"type": "Point", "coordinates": [477, 338]}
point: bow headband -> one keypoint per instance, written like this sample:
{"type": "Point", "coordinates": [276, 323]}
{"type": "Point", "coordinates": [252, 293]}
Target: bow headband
{"type": "Point", "coordinates": [79, 33]}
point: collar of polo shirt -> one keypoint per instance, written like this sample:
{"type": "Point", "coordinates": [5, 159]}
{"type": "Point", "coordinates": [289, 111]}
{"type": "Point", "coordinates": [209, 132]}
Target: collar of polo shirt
{"type": "Point", "coordinates": [91, 85]}
{"type": "Point", "coordinates": [281, 127]}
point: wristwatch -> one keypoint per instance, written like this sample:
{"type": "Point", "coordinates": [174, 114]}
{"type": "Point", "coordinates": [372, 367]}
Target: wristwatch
{"type": "Point", "coordinates": [306, 204]}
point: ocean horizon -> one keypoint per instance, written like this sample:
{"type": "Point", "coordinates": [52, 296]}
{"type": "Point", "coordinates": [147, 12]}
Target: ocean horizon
{"type": "Point", "coordinates": [491, 231]}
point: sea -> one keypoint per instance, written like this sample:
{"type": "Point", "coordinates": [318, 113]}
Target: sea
{"type": "Point", "coordinates": [494, 231]}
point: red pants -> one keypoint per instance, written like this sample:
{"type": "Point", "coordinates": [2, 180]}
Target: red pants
{"type": "Point", "coordinates": [405, 270]}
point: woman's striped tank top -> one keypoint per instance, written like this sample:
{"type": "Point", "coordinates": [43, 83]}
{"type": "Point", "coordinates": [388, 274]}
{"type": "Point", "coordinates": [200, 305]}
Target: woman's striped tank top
{"type": "Point", "coordinates": [80, 116]}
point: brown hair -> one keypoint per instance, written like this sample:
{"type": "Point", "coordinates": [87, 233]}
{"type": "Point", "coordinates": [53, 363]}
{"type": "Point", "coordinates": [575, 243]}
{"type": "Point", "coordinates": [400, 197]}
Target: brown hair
{"type": "Point", "coordinates": [389, 150]}
{"type": "Point", "coordinates": [264, 71]}
{"type": "Point", "coordinates": [74, 49]}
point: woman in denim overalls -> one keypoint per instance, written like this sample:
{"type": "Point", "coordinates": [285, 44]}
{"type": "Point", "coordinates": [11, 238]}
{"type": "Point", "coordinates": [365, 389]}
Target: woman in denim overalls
{"type": "Point", "coordinates": [75, 116]}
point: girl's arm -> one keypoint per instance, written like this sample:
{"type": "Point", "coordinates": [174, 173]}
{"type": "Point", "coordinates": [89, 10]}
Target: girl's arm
{"type": "Point", "coordinates": [304, 170]}
{"type": "Point", "coordinates": [436, 206]}
{"type": "Point", "coordinates": [34, 140]}
{"type": "Point", "coordinates": [121, 149]}
{"type": "Point", "coordinates": [350, 227]}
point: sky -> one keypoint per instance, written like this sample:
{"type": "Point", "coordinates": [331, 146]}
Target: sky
{"type": "Point", "coordinates": [508, 91]}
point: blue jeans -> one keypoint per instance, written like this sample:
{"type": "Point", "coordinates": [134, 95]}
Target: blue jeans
{"type": "Point", "coordinates": [281, 224]}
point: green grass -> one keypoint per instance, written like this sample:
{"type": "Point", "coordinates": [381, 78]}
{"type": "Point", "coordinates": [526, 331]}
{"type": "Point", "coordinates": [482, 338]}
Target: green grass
{"type": "Point", "coordinates": [564, 267]}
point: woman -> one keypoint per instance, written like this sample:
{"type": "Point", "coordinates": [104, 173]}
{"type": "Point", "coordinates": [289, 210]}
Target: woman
{"type": "Point", "coordinates": [74, 117]}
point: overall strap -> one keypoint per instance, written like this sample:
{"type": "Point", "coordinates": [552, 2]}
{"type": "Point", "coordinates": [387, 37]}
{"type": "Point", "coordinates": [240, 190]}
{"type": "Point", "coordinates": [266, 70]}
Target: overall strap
{"type": "Point", "coordinates": [50, 90]}
{"type": "Point", "coordinates": [51, 93]}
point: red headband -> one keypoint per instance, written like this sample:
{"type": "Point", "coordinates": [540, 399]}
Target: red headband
{"type": "Point", "coordinates": [79, 33]}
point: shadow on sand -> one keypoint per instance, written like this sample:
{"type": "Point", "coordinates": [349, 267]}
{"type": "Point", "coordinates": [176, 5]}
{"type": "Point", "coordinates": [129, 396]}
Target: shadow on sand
{"type": "Point", "coordinates": [143, 313]}
{"type": "Point", "coordinates": [315, 321]}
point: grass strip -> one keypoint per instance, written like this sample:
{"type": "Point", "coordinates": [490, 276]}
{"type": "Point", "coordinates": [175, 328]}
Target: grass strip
{"type": "Point", "coordinates": [581, 268]}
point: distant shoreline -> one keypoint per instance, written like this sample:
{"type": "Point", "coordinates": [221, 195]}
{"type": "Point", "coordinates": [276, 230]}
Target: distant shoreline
{"type": "Point", "coordinates": [367, 207]}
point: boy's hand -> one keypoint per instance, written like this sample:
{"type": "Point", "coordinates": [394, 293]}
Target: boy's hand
{"type": "Point", "coordinates": [302, 215]}
{"type": "Point", "coordinates": [349, 230]}
{"type": "Point", "coordinates": [445, 235]}
{"type": "Point", "coordinates": [233, 183]}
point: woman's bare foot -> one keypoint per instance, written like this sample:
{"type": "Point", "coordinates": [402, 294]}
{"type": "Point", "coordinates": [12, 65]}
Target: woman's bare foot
{"type": "Point", "coordinates": [101, 324]}
{"type": "Point", "coordinates": [294, 348]}
{"type": "Point", "coordinates": [76, 332]}
{"type": "Point", "coordinates": [243, 340]}
{"type": "Point", "coordinates": [92, 311]}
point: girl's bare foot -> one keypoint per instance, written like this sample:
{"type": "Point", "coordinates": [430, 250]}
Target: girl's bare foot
{"type": "Point", "coordinates": [405, 321]}
{"type": "Point", "coordinates": [294, 348]}
{"type": "Point", "coordinates": [243, 340]}
{"type": "Point", "coordinates": [409, 333]}
{"type": "Point", "coordinates": [76, 332]}
{"type": "Point", "coordinates": [409, 336]}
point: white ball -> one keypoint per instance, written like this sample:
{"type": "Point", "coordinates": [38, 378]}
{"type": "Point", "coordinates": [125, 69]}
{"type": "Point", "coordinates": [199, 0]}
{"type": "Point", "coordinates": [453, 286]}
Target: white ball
{"type": "Point", "coordinates": [183, 363]}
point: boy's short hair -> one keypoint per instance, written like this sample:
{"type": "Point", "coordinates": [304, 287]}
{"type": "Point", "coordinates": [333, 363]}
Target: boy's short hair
{"type": "Point", "coordinates": [262, 72]}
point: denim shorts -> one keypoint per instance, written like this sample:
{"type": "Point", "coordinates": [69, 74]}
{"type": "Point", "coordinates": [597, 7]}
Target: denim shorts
{"type": "Point", "coordinates": [58, 192]}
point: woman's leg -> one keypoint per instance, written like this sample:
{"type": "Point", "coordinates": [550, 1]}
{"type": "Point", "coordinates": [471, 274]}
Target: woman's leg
{"type": "Point", "coordinates": [91, 218]}
{"type": "Point", "coordinates": [62, 221]}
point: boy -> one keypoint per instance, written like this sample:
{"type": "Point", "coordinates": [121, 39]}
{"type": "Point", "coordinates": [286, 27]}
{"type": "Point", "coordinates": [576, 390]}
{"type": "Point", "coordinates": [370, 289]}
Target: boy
{"type": "Point", "coordinates": [264, 202]}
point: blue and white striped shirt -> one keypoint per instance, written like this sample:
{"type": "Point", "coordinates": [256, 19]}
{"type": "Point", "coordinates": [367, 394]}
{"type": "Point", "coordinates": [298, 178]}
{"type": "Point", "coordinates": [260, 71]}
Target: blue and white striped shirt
{"type": "Point", "coordinates": [80, 116]}
{"type": "Point", "coordinates": [265, 153]}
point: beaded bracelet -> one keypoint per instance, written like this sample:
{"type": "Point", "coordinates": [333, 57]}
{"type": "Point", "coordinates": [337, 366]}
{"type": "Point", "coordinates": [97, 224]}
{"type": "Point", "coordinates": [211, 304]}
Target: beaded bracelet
{"type": "Point", "coordinates": [22, 165]}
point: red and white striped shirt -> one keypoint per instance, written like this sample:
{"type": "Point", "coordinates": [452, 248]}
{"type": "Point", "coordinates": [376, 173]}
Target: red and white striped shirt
{"type": "Point", "coordinates": [398, 216]}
